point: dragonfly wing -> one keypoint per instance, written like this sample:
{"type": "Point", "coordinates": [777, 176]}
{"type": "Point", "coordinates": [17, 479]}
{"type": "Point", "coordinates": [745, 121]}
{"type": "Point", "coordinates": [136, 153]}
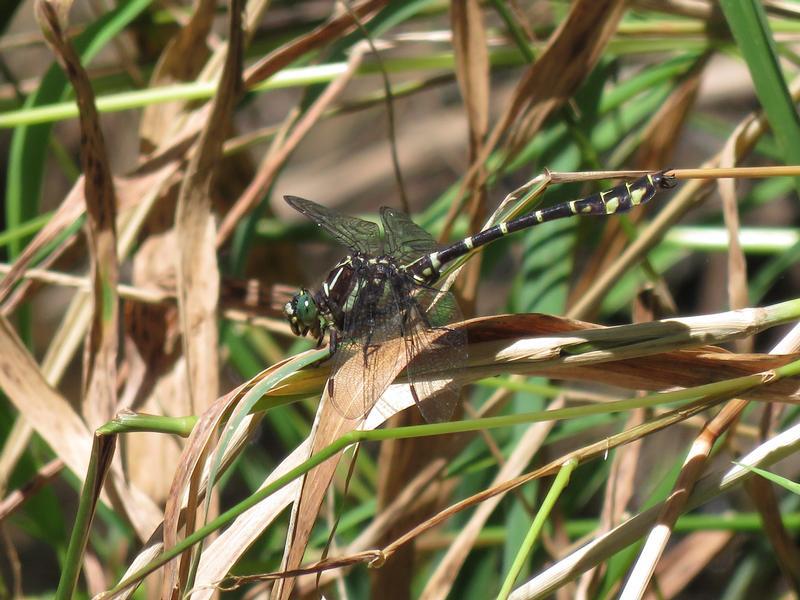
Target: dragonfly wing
{"type": "Point", "coordinates": [369, 353]}
{"type": "Point", "coordinates": [361, 373]}
{"type": "Point", "coordinates": [436, 353]}
{"type": "Point", "coordinates": [357, 234]}
{"type": "Point", "coordinates": [405, 240]}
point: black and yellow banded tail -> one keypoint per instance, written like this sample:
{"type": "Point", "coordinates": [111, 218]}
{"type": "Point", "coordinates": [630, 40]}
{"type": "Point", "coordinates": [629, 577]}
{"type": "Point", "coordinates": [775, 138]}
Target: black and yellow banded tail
{"type": "Point", "coordinates": [619, 199]}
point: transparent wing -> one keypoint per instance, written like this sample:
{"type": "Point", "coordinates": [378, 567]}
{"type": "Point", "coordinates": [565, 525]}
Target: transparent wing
{"type": "Point", "coordinates": [369, 350]}
{"type": "Point", "coordinates": [353, 232]}
{"type": "Point", "coordinates": [436, 353]}
{"type": "Point", "coordinates": [405, 240]}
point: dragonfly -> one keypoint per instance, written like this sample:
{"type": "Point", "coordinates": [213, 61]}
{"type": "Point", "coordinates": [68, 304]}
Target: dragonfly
{"type": "Point", "coordinates": [381, 309]}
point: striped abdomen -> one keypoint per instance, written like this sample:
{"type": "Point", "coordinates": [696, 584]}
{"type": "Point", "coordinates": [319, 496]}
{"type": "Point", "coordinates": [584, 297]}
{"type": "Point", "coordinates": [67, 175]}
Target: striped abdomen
{"type": "Point", "coordinates": [619, 199]}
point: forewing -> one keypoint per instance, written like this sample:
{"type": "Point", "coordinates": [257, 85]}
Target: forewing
{"type": "Point", "coordinates": [357, 234]}
{"type": "Point", "coordinates": [405, 240]}
{"type": "Point", "coordinates": [436, 353]}
{"type": "Point", "coordinates": [369, 352]}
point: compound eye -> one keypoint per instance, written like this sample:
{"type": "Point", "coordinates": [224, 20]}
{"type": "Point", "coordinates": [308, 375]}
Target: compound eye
{"type": "Point", "coordinates": [306, 309]}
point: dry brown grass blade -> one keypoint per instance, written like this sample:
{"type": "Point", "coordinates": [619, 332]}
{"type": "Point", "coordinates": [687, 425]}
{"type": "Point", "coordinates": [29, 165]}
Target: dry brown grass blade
{"type": "Point", "coordinates": [472, 74]}
{"type": "Point", "coordinates": [100, 356]}
{"type": "Point", "coordinates": [571, 53]}
{"type": "Point", "coordinates": [52, 417]}
{"type": "Point", "coordinates": [223, 552]}
{"type": "Point", "coordinates": [737, 265]}
{"type": "Point", "coordinates": [47, 411]}
{"type": "Point", "coordinates": [181, 61]}
{"type": "Point", "coordinates": [472, 66]}
{"type": "Point", "coordinates": [539, 344]}
{"type": "Point", "coordinates": [198, 273]}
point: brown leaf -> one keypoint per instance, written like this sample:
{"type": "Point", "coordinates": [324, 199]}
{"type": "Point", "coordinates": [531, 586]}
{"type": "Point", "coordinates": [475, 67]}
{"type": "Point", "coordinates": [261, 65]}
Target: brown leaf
{"type": "Point", "coordinates": [198, 274]}
{"type": "Point", "coordinates": [664, 370]}
{"type": "Point", "coordinates": [737, 265]}
{"type": "Point", "coordinates": [192, 460]}
{"type": "Point", "coordinates": [100, 357]}
{"type": "Point", "coordinates": [52, 417]}
{"type": "Point", "coordinates": [571, 53]}
{"type": "Point", "coordinates": [472, 72]}
{"type": "Point", "coordinates": [472, 66]}
{"type": "Point", "coordinates": [47, 411]}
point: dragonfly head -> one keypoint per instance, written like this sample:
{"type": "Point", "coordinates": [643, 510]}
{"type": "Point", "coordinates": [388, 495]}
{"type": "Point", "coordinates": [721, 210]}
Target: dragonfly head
{"type": "Point", "coordinates": [303, 314]}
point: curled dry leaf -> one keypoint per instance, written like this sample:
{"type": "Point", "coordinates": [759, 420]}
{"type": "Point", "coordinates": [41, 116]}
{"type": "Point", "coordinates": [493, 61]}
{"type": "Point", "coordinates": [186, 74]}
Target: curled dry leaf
{"type": "Point", "coordinates": [100, 356]}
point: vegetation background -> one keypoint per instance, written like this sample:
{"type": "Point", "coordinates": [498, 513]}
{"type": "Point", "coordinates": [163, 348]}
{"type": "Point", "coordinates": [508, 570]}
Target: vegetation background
{"type": "Point", "coordinates": [173, 188]}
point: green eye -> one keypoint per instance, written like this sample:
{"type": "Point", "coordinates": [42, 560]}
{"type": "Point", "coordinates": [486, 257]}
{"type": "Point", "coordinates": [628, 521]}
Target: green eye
{"type": "Point", "coordinates": [304, 316]}
{"type": "Point", "coordinates": [307, 311]}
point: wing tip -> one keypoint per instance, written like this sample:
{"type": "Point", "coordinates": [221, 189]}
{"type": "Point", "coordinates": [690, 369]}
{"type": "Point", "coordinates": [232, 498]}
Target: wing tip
{"type": "Point", "coordinates": [295, 202]}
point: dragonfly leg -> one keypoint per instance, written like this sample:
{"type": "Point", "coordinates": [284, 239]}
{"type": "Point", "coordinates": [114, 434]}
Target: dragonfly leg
{"type": "Point", "coordinates": [334, 340]}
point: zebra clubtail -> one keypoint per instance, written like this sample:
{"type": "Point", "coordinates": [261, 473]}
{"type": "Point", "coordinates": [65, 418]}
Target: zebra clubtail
{"type": "Point", "coordinates": [383, 291]}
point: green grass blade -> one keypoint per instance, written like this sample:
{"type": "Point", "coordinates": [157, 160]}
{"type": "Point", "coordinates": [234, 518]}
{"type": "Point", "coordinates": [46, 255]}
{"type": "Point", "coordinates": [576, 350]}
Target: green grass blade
{"type": "Point", "coordinates": [748, 23]}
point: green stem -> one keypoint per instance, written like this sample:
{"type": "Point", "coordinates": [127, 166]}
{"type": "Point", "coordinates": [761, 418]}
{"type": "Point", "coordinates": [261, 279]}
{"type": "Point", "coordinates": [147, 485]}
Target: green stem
{"type": "Point", "coordinates": [559, 484]}
{"type": "Point", "coordinates": [129, 422]}
{"type": "Point", "coordinates": [99, 463]}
